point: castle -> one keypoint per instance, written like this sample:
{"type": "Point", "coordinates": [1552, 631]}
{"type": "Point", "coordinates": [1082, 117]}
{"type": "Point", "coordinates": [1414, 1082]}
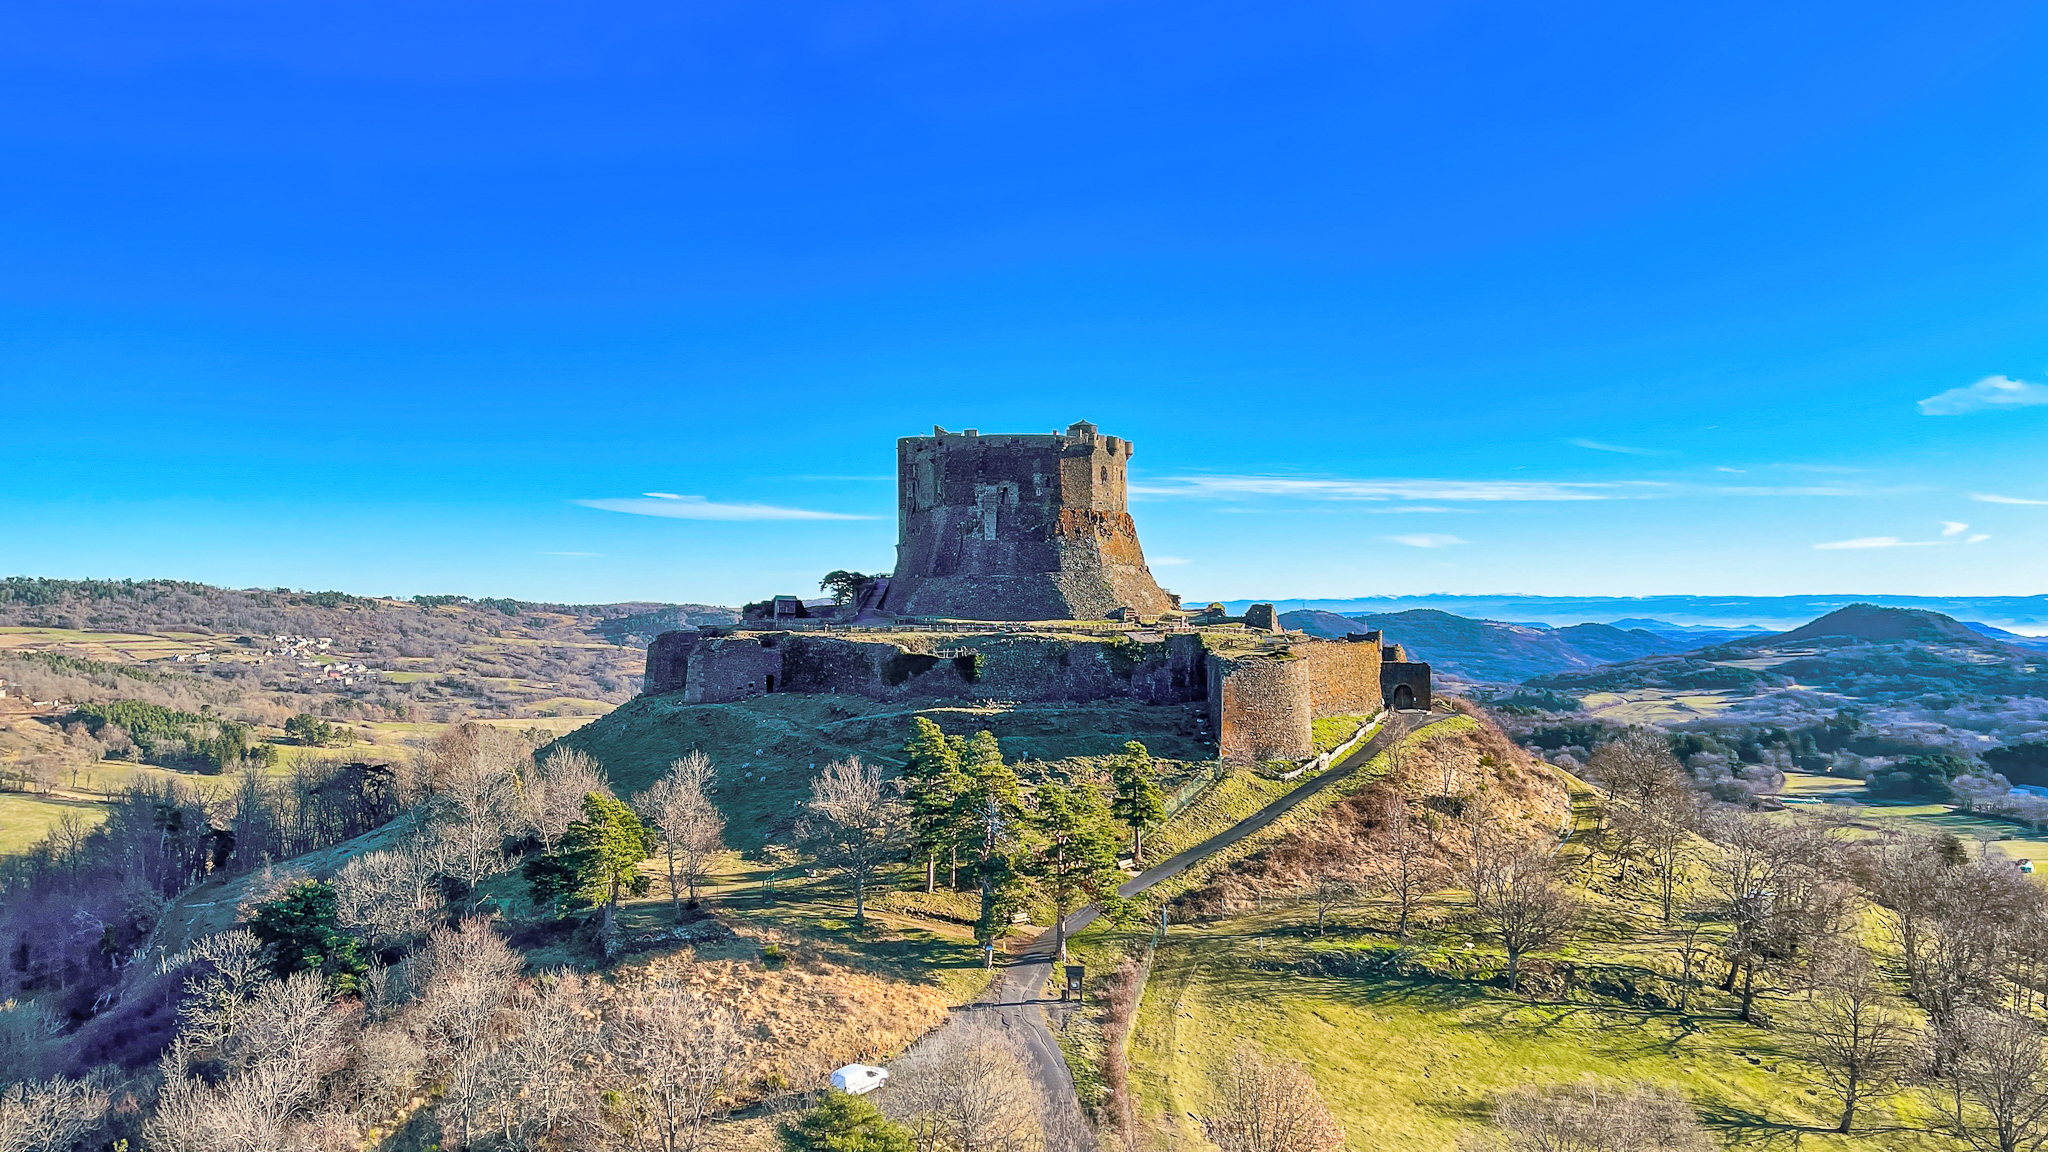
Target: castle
{"type": "Point", "coordinates": [1019, 577]}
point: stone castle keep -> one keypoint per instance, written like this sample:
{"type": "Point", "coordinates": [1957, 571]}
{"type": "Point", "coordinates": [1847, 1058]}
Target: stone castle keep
{"type": "Point", "coordinates": [1017, 528]}
{"type": "Point", "coordinates": [1013, 556]}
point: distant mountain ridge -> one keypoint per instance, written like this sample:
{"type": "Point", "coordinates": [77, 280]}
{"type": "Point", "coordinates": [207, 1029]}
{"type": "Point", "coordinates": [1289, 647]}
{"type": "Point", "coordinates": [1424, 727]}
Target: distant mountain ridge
{"type": "Point", "coordinates": [2021, 614]}
{"type": "Point", "coordinates": [1866, 652]}
{"type": "Point", "coordinates": [1489, 650]}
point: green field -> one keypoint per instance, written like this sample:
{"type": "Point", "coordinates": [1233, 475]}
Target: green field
{"type": "Point", "coordinates": [2016, 841]}
{"type": "Point", "coordinates": [1407, 1063]}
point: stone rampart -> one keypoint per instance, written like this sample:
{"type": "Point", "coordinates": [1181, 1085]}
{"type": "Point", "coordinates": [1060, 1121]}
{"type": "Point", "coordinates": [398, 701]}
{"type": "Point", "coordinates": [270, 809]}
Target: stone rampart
{"type": "Point", "coordinates": [1260, 707]}
{"type": "Point", "coordinates": [1261, 698]}
{"type": "Point", "coordinates": [1343, 676]}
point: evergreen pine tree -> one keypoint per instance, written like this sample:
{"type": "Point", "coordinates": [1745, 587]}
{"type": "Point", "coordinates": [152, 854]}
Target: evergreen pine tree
{"type": "Point", "coordinates": [1138, 804]}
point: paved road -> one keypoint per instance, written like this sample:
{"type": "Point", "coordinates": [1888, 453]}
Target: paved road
{"type": "Point", "coordinates": [1016, 999]}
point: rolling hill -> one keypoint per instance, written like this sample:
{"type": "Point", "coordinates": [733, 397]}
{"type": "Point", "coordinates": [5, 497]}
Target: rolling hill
{"type": "Point", "coordinates": [1488, 650]}
{"type": "Point", "coordinates": [1863, 651]}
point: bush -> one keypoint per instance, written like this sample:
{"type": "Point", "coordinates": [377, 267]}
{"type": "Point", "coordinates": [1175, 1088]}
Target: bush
{"type": "Point", "coordinates": [843, 1123]}
{"type": "Point", "coordinates": [302, 931]}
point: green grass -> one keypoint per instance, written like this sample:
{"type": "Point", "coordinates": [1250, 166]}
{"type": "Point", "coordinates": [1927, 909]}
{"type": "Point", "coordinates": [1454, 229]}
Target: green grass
{"type": "Point", "coordinates": [26, 818]}
{"type": "Point", "coordinates": [1408, 1062]}
{"type": "Point", "coordinates": [1331, 731]}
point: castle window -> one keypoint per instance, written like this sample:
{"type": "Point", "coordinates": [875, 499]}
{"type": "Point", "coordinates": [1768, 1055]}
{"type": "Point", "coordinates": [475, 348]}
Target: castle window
{"type": "Point", "coordinates": [1105, 473]}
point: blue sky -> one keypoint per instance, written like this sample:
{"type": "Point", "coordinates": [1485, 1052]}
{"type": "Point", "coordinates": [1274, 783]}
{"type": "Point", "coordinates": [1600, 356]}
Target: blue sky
{"type": "Point", "coordinates": [1393, 298]}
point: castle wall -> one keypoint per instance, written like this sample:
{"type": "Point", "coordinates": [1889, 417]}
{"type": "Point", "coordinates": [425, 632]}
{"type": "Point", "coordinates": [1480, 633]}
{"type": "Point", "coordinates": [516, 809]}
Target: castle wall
{"type": "Point", "coordinates": [1343, 677]}
{"type": "Point", "coordinates": [735, 668]}
{"type": "Point", "coordinates": [1260, 708]}
{"type": "Point", "coordinates": [1261, 704]}
{"type": "Point", "coordinates": [668, 663]}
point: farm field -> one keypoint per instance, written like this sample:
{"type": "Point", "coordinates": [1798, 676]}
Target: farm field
{"type": "Point", "coordinates": [2003, 837]}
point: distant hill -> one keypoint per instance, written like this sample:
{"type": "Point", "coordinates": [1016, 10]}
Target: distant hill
{"type": "Point", "coordinates": [1871, 624]}
{"type": "Point", "coordinates": [1775, 613]}
{"type": "Point", "coordinates": [1862, 651]}
{"type": "Point", "coordinates": [2037, 643]}
{"type": "Point", "coordinates": [1692, 635]}
{"type": "Point", "coordinates": [427, 658]}
{"type": "Point", "coordinates": [1489, 650]}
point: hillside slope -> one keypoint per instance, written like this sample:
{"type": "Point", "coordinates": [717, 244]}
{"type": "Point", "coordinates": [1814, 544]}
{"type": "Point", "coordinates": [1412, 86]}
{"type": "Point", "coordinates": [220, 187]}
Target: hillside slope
{"type": "Point", "coordinates": [768, 749]}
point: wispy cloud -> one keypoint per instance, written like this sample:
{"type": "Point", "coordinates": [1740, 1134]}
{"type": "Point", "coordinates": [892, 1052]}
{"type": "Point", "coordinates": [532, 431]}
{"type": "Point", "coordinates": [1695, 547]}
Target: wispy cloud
{"type": "Point", "coordinates": [675, 507]}
{"type": "Point", "coordinates": [1304, 488]}
{"type": "Point", "coordinates": [1992, 392]}
{"type": "Point", "coordinates": [1427, 540]}
{"type": "Point", "coordinates": [1873, 542]}
{"type": "Point", "coordinates": [1949, 530]}
{"type": "Point", "coordinates": [572, 553]}
{"type": "Point", "coordinates": [1598, 446]}
{"type": "Point", "coordinates": [1456, 491]}
{"type": "Point", "coordinates": [1174, 561]}
{"type": "Point", "coordinates": [1725, 468]}
{"type": "Point", "coordinates": [1988, 498]}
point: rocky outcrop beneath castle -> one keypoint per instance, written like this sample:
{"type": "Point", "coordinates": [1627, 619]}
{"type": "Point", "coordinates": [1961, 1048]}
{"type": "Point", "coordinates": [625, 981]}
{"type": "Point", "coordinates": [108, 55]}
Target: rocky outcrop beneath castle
{"type": "Point", "coordinates": [1017, 527]}
{"type": "Point", "coordinates": [1263, 691]}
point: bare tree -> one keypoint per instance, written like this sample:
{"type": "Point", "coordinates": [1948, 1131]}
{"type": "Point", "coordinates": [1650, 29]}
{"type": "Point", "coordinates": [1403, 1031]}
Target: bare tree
{"type": "Point", "coordinates": [464, 977]}
{"type": "Point", "coordinates": [1518, 896]}
{"type": "Point", "coordinates": [285, 1041]}
{"type": "Point", "coordinates": [221, 971]}
{"type": "Point", "coordinates": [692, 832]}
{"type": "Point", "coordinates": [1328, 892]}
{"type": "Point", "coordinates": [476, 789]}
{"type": "Point", "coordinates": [855, 825]}
{"type": "Point", "coordinates": [1264, 1104]}
{"type": "Point", "coordinates": [1994, 1093]}
{"type": "Point", "coordinates": [1668, 817]}
{"type": "Point", "coordinates": [394, 895]}
{"type": "Point", "coordinates": [681, 1050]}
{"type": "Point", "coordinates": [1593, 1117]}
{"type": "Point", "coordinates": [1774, 884]}
{"type": "Point", "coordinates": [965, 1090]}
{"type": "Point", "coordinates": [1407, 866]}
{"type": "Point", "coordinates": [551, 795]}
{"type": "Point", "coordinates": [52, 1115]}
{"type": "Point", "coordinates": [1634, 765]}
{"type": "Point", "coordinates": [538, 1090]}
{"type": "Point", "coordinates": [1853, 1038]}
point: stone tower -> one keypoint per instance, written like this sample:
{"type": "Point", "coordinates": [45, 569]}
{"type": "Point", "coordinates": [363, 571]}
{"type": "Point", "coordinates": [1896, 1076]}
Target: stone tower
{"type": "Point", "coordinates": [1017, 528]}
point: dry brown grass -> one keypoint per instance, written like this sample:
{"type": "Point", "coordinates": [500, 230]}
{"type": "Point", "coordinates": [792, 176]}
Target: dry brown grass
{"type": "Point", "coordinates": [1493, 773]}
{"type": "Point", "coordinates": [802, 1016]}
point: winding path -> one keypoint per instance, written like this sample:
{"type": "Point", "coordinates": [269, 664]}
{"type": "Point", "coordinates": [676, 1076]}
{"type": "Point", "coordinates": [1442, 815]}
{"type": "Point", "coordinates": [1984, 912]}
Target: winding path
{"type": "Point", "coordinates": [1017, 1000]}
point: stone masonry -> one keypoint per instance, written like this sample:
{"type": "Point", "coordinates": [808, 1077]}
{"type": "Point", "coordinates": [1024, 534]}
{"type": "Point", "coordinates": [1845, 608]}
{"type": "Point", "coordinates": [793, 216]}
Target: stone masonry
{"type": "Point", "coordinates": [1017, 527]}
